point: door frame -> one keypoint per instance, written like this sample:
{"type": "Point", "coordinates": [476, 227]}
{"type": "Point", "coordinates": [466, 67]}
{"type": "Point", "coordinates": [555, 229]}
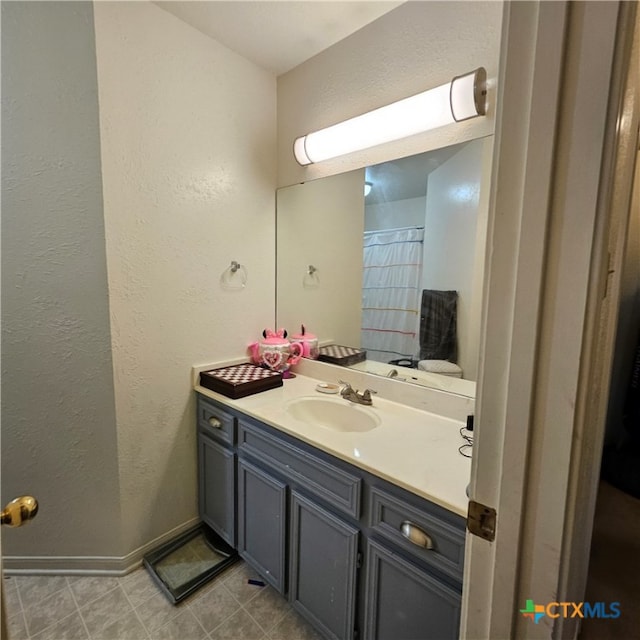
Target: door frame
{"type": "Point", "coordinates": [558, 70]}
{"type": "Point", "coordinates": [616, 197]}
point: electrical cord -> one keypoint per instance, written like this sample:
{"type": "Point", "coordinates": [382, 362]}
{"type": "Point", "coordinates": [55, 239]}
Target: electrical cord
{"type": "Point", "coordinates": [465, 449]}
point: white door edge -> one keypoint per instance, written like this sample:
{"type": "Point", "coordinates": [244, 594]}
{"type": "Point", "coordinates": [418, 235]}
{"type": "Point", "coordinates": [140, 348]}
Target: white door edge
{"type": "Point", "coordinates": [619, 196]}
{"type": "Point", "coordinates": [521, 184]}
{"type": "Point", "coordinates": [548, 162]}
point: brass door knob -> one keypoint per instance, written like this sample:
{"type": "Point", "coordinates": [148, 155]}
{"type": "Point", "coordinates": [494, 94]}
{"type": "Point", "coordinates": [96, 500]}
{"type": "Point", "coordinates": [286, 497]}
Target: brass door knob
{"type": "Point", "coordinates": [19, 511]}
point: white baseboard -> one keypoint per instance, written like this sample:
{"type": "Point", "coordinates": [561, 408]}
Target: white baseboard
{"type": "Point", "coordinates": [89, 565]}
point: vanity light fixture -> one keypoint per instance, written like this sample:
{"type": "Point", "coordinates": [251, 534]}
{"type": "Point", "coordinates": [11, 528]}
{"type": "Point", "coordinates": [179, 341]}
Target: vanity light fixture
{"type": "Point", "coordinates": [462, 98]}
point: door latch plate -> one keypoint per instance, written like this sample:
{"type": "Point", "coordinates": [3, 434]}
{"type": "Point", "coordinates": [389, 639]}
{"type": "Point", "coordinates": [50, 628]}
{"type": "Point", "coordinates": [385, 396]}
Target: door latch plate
{"type": "Point", "coordinates": [481, 520]}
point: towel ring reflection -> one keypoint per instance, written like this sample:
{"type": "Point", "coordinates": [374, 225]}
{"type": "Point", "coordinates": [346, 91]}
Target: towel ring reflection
{"type": "Point", "coordinates": [311, 279]}
{"type": "Point", "coordinates": [234, 276]}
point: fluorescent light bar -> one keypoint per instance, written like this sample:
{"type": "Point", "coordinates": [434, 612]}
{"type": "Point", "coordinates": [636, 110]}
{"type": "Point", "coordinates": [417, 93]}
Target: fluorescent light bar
{"type": "Point", "coordinates": [460, 99]}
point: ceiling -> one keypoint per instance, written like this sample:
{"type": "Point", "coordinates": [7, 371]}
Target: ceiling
{"type": "Point", "coordinates": [278, 34]}
{"type": "Point", "coordinates": [405, 178]}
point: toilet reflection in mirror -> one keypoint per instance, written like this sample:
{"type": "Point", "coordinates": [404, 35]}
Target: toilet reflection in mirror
{"type": "Point", "coordinates": [422, 226]}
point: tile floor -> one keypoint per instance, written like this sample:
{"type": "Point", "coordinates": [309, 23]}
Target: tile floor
{"type": "Point", "coordinates": [133, 608]}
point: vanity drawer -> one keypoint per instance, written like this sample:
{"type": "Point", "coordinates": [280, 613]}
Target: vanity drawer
{"type": "Point", "coordinates": [336, 487]}
{"type": "Point", "coordinates": [390, 516]}
{"type": "Point", "coordinates": [216, 422]}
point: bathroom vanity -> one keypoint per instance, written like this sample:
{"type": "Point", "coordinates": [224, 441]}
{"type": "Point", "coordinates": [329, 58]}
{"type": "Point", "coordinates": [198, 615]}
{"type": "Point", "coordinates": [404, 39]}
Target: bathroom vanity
{"type": "Point", "coordinates": [359, 521]}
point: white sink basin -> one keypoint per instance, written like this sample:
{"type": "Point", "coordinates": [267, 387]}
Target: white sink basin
{"type": "Point", "coordinates": [338, 415]}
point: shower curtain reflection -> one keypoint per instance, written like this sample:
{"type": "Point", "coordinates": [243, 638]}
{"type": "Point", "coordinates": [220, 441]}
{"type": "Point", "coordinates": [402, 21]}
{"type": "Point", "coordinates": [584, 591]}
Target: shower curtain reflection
{"type": "Point", "coordinates": [392, 260]}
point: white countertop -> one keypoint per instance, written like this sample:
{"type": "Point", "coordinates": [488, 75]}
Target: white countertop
{"type": "Point", "coordinates": [413, 449]}
{"type": "Point", "coordinates": [416, 376]}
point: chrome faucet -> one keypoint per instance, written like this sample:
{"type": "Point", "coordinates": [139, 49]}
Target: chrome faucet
{"type": "Point", "coordinates": [352, 395]}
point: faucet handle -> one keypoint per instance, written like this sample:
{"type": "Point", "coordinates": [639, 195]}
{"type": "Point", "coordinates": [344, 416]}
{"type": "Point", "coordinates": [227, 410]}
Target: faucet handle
{"type": "Point", "coordinates": [366, 394]}
{"type": "Point", "coordinates": [346, 384]}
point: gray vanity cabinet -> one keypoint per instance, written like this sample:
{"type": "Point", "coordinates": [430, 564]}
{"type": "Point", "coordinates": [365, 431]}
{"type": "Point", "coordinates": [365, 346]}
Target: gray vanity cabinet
{"type": "Point", "coordinates": [323, 567]}
{"type": "Point", "coordinates": [404, 601]}
{"type": "Point", "coordinates": [414, 565]}
{"type": "Point", "coordinates": [262, 519]}
{"type": "Point", "coordinates": [217, 470]}
{"type": "Point", "coordinates": [290, 498]}
{"type": "Point", "coordinates": [357, 556]}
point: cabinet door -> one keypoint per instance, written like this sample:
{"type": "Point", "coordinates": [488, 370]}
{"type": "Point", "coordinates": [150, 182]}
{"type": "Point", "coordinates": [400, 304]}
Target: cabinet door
{"type": "Point", "coordinates": [262, 522]}
{"type": "Point", "coordinates": [404, 602]}
{"type": "Point", "coordinates": [323, 561]}
{"type": "Point", "coordinates": [216, 491]}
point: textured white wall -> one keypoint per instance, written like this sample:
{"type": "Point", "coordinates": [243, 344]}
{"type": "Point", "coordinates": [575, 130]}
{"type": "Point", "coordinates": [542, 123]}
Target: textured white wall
{"type": "Point", "coordinates": [321, 223]}
{"type": "Point", "coordinates": [58, 414]}
{"type": "Point", "coordinates": [390, 215]}
{"type": "Point", "coordinates": [451, 224]}
{"type": "Point", "coordinates": [414, 47]}
{"type": "Point", "coordinates": [188, 140]}
{"type": "Point", "coordinates": [188, 143]}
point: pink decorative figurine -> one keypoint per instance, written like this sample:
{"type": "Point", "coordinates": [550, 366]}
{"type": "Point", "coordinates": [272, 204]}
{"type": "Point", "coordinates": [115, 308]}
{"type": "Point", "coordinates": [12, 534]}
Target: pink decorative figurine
{"type": "Point", "coordinates": [309, 342]}
{"type": "Point", "coordinates": [275, 351]}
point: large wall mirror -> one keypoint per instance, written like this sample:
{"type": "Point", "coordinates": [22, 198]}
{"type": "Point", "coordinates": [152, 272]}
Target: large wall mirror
{"type": "Point", "coordinates": [353, 267]}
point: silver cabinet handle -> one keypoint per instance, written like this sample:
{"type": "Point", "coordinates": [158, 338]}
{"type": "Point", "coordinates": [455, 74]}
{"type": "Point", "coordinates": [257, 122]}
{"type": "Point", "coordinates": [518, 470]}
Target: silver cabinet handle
{"type": "Point", "coordinates": [413, 533]}
{"type": "Point", "coordinates": [215, 423]}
